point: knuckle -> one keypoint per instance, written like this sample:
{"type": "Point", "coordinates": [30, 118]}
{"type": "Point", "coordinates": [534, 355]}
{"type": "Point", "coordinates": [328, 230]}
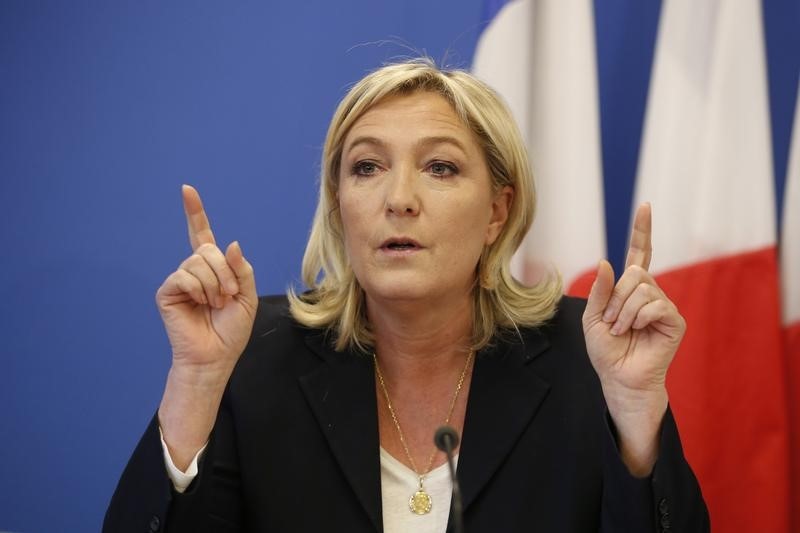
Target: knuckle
{"type": "Point", "coordinates": [202, 275]}
{"type": "Point", "coordinates": [636, 270]}
{"type": "Point", "coordinates": [618, 293]}
{"type": "Point", "coordinates": [228, 271]}
{"type": "Point", "coordinates": [624, 314]}
{"type": "Point", "coordinates": [186, 282]}
{"type": "Point", "coordinates": [210, 281]}
{"type": "Point", "coordinates": [173, 279]}
{"type": "Point", "coordinates": [206, 249]}
{"type": "Point", "coordinates": [193, 261]}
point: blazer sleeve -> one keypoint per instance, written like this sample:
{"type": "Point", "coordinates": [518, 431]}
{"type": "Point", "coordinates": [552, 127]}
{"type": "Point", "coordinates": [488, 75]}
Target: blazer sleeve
{"type": "Point", "coordinates": [145, 500]}
{"type": "Point", "coordinates": [667, 500]}
{"type": "Point", "coordinates": [143, 494]}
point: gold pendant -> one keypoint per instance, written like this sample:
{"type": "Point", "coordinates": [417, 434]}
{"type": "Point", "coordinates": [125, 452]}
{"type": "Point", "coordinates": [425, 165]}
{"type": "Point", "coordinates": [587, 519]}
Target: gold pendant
{"type": "Point", "coordinates": [420, 502]}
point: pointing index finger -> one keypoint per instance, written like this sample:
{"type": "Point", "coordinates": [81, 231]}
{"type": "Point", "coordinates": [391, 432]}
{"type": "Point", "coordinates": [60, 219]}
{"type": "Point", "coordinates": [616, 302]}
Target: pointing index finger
{"type": "Point", "coordinates": [196, 219]}
{"type": "Point", "coordinates": [641, 247]}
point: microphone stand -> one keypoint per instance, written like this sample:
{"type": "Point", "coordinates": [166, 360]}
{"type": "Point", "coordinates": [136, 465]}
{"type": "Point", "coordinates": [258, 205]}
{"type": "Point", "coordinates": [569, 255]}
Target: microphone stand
{"type": "Point", "coordinates": [446, 439]}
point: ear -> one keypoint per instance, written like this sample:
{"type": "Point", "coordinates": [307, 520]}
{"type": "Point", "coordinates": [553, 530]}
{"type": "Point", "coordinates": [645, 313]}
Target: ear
{"type": "Point", "coordinates": [501, 205]}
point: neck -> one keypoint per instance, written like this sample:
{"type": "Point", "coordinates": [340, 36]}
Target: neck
{"type": "Point", "coordinates": [421, 339]}
{"type": "Point", "coordinates": [422, 351]}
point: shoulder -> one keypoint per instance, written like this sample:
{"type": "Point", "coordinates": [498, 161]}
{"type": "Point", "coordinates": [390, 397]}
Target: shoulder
{"type": "Point", "coordinates": [277, 341]}
{"type": "Point", "coordinates": [274, 320]}
{"type": "Point", "coordinates": [570, 310]}
{"type": "Point", "coordinates": [564, 326]}
{"type": "Point", "coordinates": [273, 312]}
{"type": "Point", "coordinates": [557, 348]}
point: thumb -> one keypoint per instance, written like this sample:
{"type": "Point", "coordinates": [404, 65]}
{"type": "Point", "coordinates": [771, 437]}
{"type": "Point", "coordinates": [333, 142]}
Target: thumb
{"type": "Point", "coordinates": [244, 273]}
{"type": "Point", "coordinates": [600, 294]}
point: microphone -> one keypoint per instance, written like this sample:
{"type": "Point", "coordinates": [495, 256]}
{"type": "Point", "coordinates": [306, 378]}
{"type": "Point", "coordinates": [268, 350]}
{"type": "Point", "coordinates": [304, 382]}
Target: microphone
{"type": "Point", "coordinates": [446, 439]}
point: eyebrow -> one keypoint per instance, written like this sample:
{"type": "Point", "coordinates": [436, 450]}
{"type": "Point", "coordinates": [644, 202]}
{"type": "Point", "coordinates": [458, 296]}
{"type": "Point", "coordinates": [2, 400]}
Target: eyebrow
{"type": "Point", "coordinates": [425, 141]}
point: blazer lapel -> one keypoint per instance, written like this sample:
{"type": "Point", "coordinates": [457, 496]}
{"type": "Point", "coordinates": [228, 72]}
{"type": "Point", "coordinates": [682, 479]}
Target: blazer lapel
{"type": "Point", "coordinates": [504, 396]}
{"type": "Point", "coordinates": [341, 392]}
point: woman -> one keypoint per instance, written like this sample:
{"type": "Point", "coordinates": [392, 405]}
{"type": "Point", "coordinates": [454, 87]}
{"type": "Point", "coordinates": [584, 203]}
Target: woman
{"type": "Point", "coordinates": [325, 418]}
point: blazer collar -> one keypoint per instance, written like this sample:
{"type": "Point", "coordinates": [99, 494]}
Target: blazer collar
{"type": "Point", "coordinates": [503, 398]}
{"type": "Point", "coordinates": [341, 392]}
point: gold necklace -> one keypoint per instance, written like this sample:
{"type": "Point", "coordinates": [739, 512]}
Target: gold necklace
{"type": "Point", "coordinates": [420, 502]}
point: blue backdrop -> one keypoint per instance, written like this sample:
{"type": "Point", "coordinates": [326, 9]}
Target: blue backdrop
{"type": "Point", "coordinates": [107, 107]}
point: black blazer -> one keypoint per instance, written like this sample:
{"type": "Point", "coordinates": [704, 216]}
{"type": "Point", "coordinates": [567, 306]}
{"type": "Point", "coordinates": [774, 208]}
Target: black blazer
{"type": "Point", "coordinates": [295, 446]}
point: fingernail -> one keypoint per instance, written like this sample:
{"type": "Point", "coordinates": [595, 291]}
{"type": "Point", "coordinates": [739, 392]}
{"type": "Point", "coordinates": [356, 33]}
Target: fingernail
{"type": "Point", "coordinates": [615, 329]}
{"type": "Point", "coordinates": [232, 287]}
{"type": "Point", "coordinates": [608, 314]}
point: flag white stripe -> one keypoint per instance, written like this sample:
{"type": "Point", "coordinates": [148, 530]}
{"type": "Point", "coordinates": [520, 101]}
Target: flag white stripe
{"type": "Point", "coordinates": [790, 235]}
{"type": "Point", "coordinates": [541, 57]}
{"type": "Point", "coordinates": [706, 158]}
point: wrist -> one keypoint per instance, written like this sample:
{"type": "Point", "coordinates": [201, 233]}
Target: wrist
{"type": "Point", "coordinates": [189, 408]}
{"type": "Point", "coordinates": [635, 403]}
{"type": "Point", "coordinates": [205, 377]}
{"type": "Point", "coordinates": [637, 417]}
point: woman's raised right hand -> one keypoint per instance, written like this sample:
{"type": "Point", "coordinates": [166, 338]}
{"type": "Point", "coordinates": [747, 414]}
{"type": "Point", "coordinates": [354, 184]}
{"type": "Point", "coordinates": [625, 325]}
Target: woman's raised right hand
{"type": "Point", "coordinates": [209, 304]}
{"type": "Point", "coordinates": [208, 307]}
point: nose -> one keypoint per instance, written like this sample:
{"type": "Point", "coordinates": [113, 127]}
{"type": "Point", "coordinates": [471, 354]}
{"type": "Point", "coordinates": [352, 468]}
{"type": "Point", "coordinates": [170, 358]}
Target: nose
{"type": "Point", "coordinates": [401, 192]}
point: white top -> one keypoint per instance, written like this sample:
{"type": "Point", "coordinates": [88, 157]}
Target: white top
{"type": "Point", "coordinates": [398, 483]}
{"type": "Point", "coordinates": [180, 480]}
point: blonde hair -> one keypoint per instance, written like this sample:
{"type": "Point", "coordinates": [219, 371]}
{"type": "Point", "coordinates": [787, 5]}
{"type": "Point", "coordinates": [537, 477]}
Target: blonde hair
{"type": "Point", "coordinates": [336, 301]}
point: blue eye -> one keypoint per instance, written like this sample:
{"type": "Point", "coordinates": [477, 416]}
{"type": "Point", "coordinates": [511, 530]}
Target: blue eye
{"type": "Point", "coordinates": [442, 169]}
{"type": "Point", "coordinates": [365, 168]}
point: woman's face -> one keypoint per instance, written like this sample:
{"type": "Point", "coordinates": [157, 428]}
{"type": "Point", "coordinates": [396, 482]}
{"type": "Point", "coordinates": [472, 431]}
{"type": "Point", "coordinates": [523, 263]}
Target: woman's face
{"type": "Point", "coordinates": [416, 201]}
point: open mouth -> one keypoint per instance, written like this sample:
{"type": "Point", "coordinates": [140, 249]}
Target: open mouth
{"type": "Point", "coordinates": [400, 245]}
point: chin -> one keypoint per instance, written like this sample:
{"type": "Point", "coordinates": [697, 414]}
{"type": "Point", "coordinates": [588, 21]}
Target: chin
{"type": "Point", "coordinates": [404, 293]}
{"type": "Point", "coordinates": [400, 288]}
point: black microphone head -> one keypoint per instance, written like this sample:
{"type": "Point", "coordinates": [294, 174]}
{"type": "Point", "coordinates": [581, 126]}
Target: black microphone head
{"type": "Point", "coordinates": [446, 439]}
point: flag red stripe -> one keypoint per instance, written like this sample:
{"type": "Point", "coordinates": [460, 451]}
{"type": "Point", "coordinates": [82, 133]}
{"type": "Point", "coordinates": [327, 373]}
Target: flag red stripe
{"type": "Point", "coordinates": [728, 388]}
{"type": "Point", "coordinates": [582, 285]}
{"type": "Point", "coordinates": [792, 343]}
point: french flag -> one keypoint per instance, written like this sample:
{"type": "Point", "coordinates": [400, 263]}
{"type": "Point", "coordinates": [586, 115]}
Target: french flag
{"type": "Point", "coordinates": [705, 165]}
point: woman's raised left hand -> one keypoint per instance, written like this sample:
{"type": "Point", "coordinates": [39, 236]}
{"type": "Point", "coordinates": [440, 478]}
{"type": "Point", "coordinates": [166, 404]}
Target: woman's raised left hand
{"type": "Point", "coordinates": [632, 332]}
